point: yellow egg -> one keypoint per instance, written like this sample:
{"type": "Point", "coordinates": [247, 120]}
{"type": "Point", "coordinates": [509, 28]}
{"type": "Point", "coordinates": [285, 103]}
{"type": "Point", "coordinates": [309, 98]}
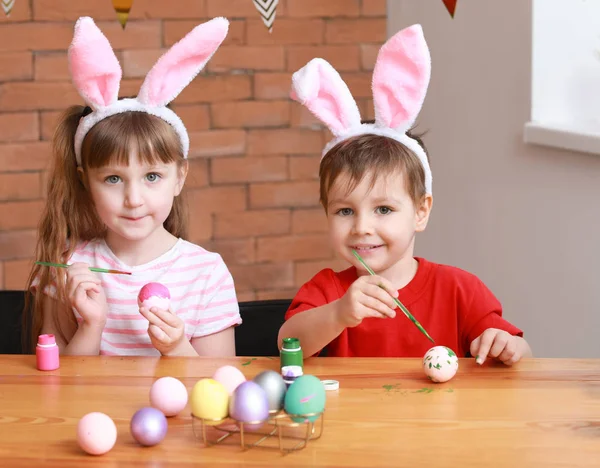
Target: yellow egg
{"type": "Point", "coordinates": [209, 400]}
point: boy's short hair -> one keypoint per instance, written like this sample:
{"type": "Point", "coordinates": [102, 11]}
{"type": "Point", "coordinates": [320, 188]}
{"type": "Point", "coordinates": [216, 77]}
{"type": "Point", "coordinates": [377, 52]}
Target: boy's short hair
{"type": "Point", "coordinates": [362, 154]}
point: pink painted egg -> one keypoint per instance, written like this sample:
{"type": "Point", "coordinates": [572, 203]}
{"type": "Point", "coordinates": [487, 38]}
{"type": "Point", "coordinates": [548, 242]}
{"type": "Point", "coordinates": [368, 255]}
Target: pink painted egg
{"type": "Point", "coordinates": [154, 295]}
{"type": "Point", "coordinates": [96, 433]}
{"type": "Point", "coordinates": [168, 395]}
{"type": "Point", "coordinates": [231, 377]}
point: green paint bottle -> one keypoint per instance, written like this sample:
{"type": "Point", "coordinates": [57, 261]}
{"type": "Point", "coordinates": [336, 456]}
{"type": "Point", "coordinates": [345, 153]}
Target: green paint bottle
{"type": "Point", "coordinates": [291, 353]}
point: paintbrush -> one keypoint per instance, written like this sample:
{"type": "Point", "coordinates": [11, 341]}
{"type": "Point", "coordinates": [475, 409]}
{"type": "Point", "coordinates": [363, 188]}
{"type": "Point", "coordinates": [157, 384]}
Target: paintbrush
{"type": "Point", "coordinates": [398, 303]}
{"type": "Point", "coordinates": [99, 270]}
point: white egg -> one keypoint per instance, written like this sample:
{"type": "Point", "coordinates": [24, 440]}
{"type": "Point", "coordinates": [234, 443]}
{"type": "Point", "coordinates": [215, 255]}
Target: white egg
{"type": "Point", "coordinates": [440, 364]}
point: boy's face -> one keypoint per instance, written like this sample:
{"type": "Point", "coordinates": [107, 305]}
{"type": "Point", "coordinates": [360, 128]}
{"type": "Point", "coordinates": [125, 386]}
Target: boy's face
{"type": "Point", "coordinates": [378, 222]}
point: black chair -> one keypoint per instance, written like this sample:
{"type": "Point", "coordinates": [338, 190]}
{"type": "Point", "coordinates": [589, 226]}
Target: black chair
{"type": "Point", "coordinates": [256, 336]}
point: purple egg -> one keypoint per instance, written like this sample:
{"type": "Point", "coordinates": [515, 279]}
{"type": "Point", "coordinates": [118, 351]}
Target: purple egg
{"type": "Point", "coordinates": [249, 403]}
{"type": "Point", "coordinates": [148, 426]}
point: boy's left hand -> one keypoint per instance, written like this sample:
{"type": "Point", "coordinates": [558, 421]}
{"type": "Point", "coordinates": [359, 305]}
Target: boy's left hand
{"type": "Point", "coordinates": [498, 344]}
{"type": "Point", "coordinates": [166, 330]}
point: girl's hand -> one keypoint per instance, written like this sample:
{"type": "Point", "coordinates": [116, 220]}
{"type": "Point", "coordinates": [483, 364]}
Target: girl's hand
{"type": "Point", "coordinates": [166, 330]}
{"type": "Point", "coordinates": [369, 296]}
{"type": "Point", "coordinates": [86, 294]}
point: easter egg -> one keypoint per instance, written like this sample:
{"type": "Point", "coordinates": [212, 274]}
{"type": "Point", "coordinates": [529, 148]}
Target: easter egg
{"type": "Point", "coordinates": [305, 396]}
{"type": "Point", "coordinates": [154, 295]}
{"type": "Point", "coordinates": [96, 433]}
{"type": "Point", "coordinates": [230, 377]}
{"type": "Point", "coordinates": [249, 404]}
{"type": "Point", "coordinates": [440, 364]}
{"type": "Point", "coordinates": [210, 401]}
{"type": "Point", "coordinates": [274, 386]}
{"type": "Point", "coordinates": [168, 395]}
{"type": "Point", "coordinates": [148, 426]}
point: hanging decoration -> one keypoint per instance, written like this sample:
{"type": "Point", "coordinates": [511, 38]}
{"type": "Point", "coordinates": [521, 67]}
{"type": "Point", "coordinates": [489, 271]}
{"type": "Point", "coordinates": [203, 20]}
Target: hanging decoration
{"type": "Point", "coordinates": [267, 8]}
{"type": "Point", "coordinates": [7, 6]}
{"type": "Point", "coordinates": [450, 6]}
{"type": "Point", "coordinates": [122, 8]}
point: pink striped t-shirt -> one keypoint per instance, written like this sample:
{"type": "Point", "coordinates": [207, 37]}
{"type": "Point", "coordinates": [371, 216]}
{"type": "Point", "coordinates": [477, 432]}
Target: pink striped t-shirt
{"type": "Point", "coordinates": [201, 287]}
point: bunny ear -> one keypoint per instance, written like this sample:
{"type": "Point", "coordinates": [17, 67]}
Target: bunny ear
{"type": "Point", "coordinates": [400, 79]}
{"type": "Point", "coordinates": [182, 62]}
{"type": "Point", "coordinates": [93, 65]}
{"type": "Point", "coordinates": [321, 89]}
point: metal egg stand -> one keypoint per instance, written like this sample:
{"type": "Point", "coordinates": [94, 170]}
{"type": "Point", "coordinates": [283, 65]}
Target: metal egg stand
{"type": "Point", "coordinates": [279, 431]}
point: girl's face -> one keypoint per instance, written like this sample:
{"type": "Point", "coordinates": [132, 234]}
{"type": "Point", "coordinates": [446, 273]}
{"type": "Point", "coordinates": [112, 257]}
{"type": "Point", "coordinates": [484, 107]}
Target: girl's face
{"type": "Point", "coordinates": [379, 223]}
{"type": "Point", "coordinates": [134, 200]}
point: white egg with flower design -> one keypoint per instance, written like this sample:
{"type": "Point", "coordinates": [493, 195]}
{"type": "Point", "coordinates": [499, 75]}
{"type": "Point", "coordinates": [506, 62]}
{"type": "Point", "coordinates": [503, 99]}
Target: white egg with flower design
{"type": "Point", "coordinates": [440, 364]}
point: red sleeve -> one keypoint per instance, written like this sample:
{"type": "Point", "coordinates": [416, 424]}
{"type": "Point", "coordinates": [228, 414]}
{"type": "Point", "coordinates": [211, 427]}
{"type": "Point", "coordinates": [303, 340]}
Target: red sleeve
{"type": "Point", "coordinates": [312, 294]}
{"type": "Point", "coordinates": [483, 312]}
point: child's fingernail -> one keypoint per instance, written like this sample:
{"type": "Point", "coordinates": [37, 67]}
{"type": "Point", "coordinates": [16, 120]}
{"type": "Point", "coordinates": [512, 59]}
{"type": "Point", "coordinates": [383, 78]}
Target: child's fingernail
{"type": "Point", "coordinates": [478, 360]}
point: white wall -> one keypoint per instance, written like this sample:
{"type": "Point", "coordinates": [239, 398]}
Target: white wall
{"type": "Point", "coordinates": [524, 218]}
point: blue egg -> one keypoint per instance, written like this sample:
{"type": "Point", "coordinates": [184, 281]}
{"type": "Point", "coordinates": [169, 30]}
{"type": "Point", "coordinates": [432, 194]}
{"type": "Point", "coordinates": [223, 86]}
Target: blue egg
{"type": "Point", "coordinates": [305, 396]}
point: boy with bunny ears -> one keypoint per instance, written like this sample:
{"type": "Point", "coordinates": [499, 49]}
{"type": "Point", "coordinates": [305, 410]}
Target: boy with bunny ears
{"type": "Point", "coordinates": [376, 189]}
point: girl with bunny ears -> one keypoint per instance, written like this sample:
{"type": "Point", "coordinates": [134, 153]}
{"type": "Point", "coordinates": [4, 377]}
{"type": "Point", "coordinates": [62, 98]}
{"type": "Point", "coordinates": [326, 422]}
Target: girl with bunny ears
{"type": "Point", "coordinates": [114, 201]}
{"type": "Point", "coordinates": [376, 188]}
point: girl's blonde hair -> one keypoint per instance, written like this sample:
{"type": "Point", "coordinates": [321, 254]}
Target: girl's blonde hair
{"type": "Point", "coordinates": [69, 215]}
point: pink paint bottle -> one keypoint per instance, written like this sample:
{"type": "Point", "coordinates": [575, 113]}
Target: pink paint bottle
{"type": "Point", "coordinates": [46, 353]}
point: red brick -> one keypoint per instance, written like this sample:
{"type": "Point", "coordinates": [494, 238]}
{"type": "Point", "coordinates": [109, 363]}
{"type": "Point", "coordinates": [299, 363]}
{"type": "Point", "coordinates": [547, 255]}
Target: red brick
{"type": "Point", "coordinates": [233, 251]}
{"type": "Point", "coordinates": [16, 66]}
{"type": "Point", "coordinates": [279, 195]}
{"type": "Point", "coordinates": [373, 8]}
{"type": "Point", "coordinates": [341, 57]}
{"type": "Point", "coordinates": [24, 156]}
{"type": "Point", "coordinates": [51, 67]}
{"type": "Point", "coordinates": [250, 114]}
{"type": "Point", "coordinates": [306, 221]}
{"type": "Point", "coordinates": [368, 55]}
{"type": "Point", "coordinates": [302, 117]}
{"type": "Point", "coordinates": [35, 36]}
{"type": "Point", "coordinates": [216, 88]}
{"type": "Point", "coordinates": [286, 32]}
{"type": "Point", "coordinates": [359, 84]}
{"type": "Point", "coordinates": [21, 11]}
{"type": "Point", "coordinates": [217, 199]}
{"type": "Point", "coordinates": [272, 85]}
{"type": "Point", "coordinates": [195, 117]}
{"type": "Point", "coordinates": [284, 141]}
{"type": "Point", "coordinates": [49, 123]}
{"type": "Point", "coordinates": [367, 110]}
{"type": "Point", "coordinates": [145, 34]}
{"type": "Point", "coordinates": [252, 223]}
{"type": "Point", "coordinates": [272, 275]}
{"type": "Point", "coordinates": [16, 274]}
{"type": "Point", "coordinates": [19, 186]}
{"type": "Point", "coordinates": [270, 294]}
{"type": "Point", "coordinates": [304, 167]}
{"type": "Point", "coordinates": [247, 58]}
{"type": "Point", "coordinates": [17, 244]}
{"type": "Point", "coordinates": [232, 170]}
{"type": "Point", "coordinates": [243, 296]}
{"type": "Point", "coordinates": [200, 227]}
{"type": "Point", "coordinates": [304, 271]}
{"type": "Point", "coordinates": [61, 10]}
{"type": "Point", "coordinates": [329, 8]}
{"type": "Point", "coordinates": [217, 143]}
{"type": "Point", "coordinates": [161, 9]}
{"type": "Point", "coordinates": [21, 126]}
{"type": "Point", "coordinates": [173, 31]}
{"type": "Point", "coordinates": [302, 247]}
{"type": "Point", "coordinates": [197, 174]}
{"type": "Point", "coordinates": [138, 62]}
{"type": "Point", "coordinates": [351, 31]}
{"type": "Point", "coordinates": [20, 215]}
{"type": "Point", "coordinates": [231, 9]}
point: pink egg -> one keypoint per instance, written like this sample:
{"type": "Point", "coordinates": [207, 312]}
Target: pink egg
{"type": "Point", "coordinates": [168, 395]}
{"type": "Point", "coordinates": [231, 377]}
{"type": "Point", "coordinates": [96, 433]}
{"type": "Point", "coordinates": [154, 295]}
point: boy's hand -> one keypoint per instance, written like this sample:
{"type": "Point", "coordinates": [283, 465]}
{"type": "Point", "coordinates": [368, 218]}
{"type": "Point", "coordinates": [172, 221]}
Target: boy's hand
{"type": "Point", "coordinates": [498, 344]}
{"type": "Point", "coordinates": [365, 298]}
{"type": "Point", "coordinates": [166, 330]}
{"type": "Point", "coordinates": [86, 294]}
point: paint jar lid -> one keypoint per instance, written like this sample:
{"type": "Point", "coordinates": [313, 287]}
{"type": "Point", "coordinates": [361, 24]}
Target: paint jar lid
{"type": "Point", "coordinates": [291, 344]}
{"type": "Point", "coordinates": [46, 340]}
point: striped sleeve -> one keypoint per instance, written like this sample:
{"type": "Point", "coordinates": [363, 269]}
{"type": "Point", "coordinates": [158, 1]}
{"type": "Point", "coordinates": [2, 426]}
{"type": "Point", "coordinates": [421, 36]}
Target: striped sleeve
{"type": "Point", "coordinates": [220, 308]}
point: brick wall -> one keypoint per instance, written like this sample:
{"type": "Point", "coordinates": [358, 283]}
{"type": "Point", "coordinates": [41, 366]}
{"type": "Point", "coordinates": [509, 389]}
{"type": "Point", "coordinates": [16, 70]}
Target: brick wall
{"type": "Point", "coordinates": [254, 154]}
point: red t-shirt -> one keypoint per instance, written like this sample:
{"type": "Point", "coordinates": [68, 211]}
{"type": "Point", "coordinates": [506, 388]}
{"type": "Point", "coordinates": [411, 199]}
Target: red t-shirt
{"type": "Point", "coordinates": [454, 306]}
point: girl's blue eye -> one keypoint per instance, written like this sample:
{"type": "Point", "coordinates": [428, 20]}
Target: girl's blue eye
{"type": "Point", "coordinates": [152, 177]}
{"type": "Point", "coordinates": [113, 179]}
{"type": "Point", "coordinates": [345, 212]}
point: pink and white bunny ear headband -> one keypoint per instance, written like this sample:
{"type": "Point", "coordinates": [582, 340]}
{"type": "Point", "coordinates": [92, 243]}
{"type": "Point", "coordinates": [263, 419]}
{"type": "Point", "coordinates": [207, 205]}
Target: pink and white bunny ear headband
{"type": "Point", "coordinates": [400, 81]}
{"type": "Point", "coordinates": [97, 75]}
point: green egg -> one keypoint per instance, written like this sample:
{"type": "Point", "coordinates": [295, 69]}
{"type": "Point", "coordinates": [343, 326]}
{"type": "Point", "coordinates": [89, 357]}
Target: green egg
{"type": "Point", "coordinates": [305, 396]}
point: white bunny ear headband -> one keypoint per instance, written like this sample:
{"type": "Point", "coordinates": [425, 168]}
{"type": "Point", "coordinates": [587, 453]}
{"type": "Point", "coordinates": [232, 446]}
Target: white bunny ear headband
{"type": "Point", "coordinates": [97, 75]}
{"type": "Point", "coordinates": [400, 80]}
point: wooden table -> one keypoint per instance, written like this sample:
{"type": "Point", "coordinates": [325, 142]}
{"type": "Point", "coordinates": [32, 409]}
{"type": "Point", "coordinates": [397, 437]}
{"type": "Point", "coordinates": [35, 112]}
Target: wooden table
{"type": "Point", "coordinates": [540, 413]}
